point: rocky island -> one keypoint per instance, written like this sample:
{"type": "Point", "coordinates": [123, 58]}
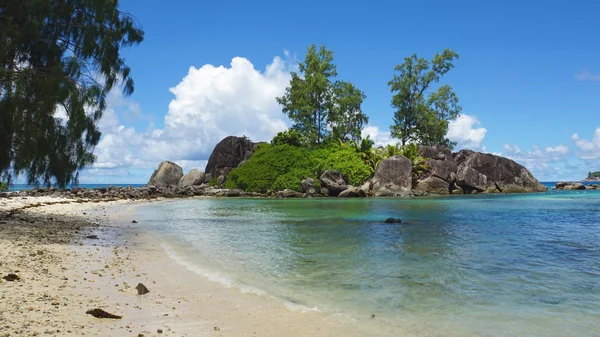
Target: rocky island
{"type": "Point", "coordinates": [444, 173]}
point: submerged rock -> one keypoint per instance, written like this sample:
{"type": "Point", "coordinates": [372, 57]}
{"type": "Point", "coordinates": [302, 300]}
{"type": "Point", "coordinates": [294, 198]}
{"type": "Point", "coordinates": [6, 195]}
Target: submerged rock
{"type": "Point", "coordinates": [392, 220]}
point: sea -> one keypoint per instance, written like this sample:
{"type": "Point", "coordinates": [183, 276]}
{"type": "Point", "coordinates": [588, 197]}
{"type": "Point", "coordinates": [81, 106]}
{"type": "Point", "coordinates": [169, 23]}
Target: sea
{"type": "Point", "coordinates": [476, 265]}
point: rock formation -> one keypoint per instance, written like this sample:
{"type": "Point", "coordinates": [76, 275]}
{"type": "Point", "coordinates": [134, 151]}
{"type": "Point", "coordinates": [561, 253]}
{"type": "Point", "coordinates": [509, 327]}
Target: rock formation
{"type": "Point", "coordinates": [193, 177]}
{"type": "Point", "coordinates": [227, 155]}
{"type": "Point", "coordinates": [484, 172]}
{"type": "Point", "coordinates": [574, 186]}
{"type": "Point", "coordinates": [333, 181]}
{"type": "Point", "coordinates": [167, 174]}
{"type": "Point", "coordinates": [393, 177]}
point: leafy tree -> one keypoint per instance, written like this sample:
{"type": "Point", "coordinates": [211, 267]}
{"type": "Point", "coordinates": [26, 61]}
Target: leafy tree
{"type": "Point", "coordinates": [314, 100]}
{"type": "Point", "coordinates": [58, 55]}
{"type": "Point", "coordinates": [419, 117]}
{"type": "Point", "coordinates": [347, 118]}
{"type": "Point", "coordinates": [3, 187]}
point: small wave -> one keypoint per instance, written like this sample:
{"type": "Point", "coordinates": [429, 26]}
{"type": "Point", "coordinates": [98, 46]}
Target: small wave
{"type": "Point", "coordinates": [229, 282]}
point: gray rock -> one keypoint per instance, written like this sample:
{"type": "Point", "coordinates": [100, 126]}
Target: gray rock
{"type": "Point", "coordinates": [192, 178]}
{"type": "Point", "coordinates": [461, 156]}
{"type": "Point", "coordinates": [440, 162]}
{"type": "Point", "coordinates": [484, 172]}
{"type": "Point", "coordinates": [228, 154]}
{"type": "Point", "coordinates": [393, 177]}
{"type": "Point", "coordinates": [289, 194]}
{"type": "Point", "coordinates": [308, 186]}
{"type": "Point", "coordinates": [352, 192]}
{"type": "Point", "coordinates": [167, 174]}
{"type": "Point", "coordinates": [221, 180]}
{"type": "Point", "coordinates": [333, 181]}
{"type": "Point", "coordinates": [433, 185]}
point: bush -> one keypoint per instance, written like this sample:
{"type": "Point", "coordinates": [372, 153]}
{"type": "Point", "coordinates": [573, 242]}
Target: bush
{"type": "Point", "coordinates": [289, 137]}
{"type": "Point", "coordinates": [3, 187]}
{"type": "Point", "coordinates": [277, 167]}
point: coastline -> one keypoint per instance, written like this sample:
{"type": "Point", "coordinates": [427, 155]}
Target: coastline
{"type": "Point", "coordinates": [64, 274]}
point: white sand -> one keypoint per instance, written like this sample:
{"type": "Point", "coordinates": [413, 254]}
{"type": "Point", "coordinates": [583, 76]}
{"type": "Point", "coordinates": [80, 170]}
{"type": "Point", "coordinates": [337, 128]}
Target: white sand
{"type": "Point", "coordinates": [63, 274]}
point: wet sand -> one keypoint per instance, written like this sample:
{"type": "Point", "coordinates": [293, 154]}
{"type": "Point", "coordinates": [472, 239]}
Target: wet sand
{"type": "Point", "coordinates": [64, 273]}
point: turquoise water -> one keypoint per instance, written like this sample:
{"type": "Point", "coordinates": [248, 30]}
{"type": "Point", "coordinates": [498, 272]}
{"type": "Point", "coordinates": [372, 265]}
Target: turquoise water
{"type": "Point", "coordinates": [498, 265]}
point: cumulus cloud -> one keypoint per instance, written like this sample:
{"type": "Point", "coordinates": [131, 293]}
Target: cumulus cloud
{"type": "Point", "coordinates": [465, 132]}
{"type": "Point", "coordinates": [586, 75]}
{"type": "Point", "coordinates": [543, 163]}
{"type": "Point", "coordinates": [588, 149]}
{"type": "Point", "coordinates": [379, 137]}
{"type": "Point", "coordinates": [210, 103]}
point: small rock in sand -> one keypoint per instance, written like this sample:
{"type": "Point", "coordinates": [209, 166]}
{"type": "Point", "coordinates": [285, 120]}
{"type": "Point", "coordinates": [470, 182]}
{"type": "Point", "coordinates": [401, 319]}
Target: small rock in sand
{"type": "Point", "coordinates": [92, 237]}
{"type": "Point", "coordinates": [217, 328]}
{"type": "Point", "coordinates": [12, 277]}
{"type": "Point", "coordinates": [159, 330]}
{"type": "Point", "coordinates": [99, 313]}
{"type": "Point", "coordinates": [142, 290]}
{"type": "Point", "coordinates": [134, 221]}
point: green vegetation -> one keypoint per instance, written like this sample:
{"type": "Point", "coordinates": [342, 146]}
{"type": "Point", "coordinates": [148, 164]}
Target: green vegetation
{"type": "Point", "coordinates": [277, 167]}
{"type": "Point", "coordinates": [316, 103]}
{"type": "Point", "coordinates": [289, 137]}
{"type": "Point", "coordinates": [595, 174]}
{"type": "Point", "coordinates": [3, 187]}
{"type": "Point", "coordinates": [58, 56]}
{"type": "Point", "coordinates": [418, 118]}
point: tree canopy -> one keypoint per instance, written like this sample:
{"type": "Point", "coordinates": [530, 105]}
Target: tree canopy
{"type": "Point", "coordinates": [61, 55]}
{"type": "Point", "coordinates": [320, 107]}
{"type": "Point", "coordinates": [420, 117]}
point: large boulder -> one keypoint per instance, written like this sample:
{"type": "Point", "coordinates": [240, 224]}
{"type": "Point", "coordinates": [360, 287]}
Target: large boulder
{"type": "Point", "coordinates": [192, 178]}
{"type": "Point", "coordinates": [333, 181]}
{"type": "Point", "coordinates": [393, 177]}
{"type": "Point", "coordinates": [484, 172]}
{"type": "Point", "coordinates": [167, 174]}
{"type": "Point", "coordinates": [308, 186]}
{"type": "Point", "coordinates": [432, 185]}
{"type": "Point", "coordinates": [441, 165]}
{"type": "Point", "coordinates": [227, 155]}
{"type": "Point", "coordinates": [568, 186]}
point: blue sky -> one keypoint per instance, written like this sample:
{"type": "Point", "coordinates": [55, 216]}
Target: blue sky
{"type": "Point", "coordinates": [528, 76]}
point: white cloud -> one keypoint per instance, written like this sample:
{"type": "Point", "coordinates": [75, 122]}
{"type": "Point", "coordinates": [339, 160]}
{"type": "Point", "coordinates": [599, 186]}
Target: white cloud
{"type": "Point", "coordinates": [210, 103]}
{"type": "Point", "coordinates": [586, 75]}
{"type": "Point", "coordinates": [560, 150]}
{"type": "Point", "coordinates": [544, 164]}
{"type": "Point", "coordinates": [465, 133]}
{"type": "Point", "coordinates": [381, 138]}
{"type": "Point", "coordinates": [588, 150]}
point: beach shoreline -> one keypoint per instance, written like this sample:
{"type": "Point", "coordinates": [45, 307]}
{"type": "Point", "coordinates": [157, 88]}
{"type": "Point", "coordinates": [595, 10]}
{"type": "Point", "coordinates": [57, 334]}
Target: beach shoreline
{"type": "Point", "coordinates": [64, 270]}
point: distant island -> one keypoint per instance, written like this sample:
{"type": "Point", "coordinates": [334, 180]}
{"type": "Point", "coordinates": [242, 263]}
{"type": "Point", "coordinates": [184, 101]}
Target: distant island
{"type": "Point", "coordinates": [593, 176]}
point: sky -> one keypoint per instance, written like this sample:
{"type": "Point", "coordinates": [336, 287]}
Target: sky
{"type": "Point", "coordinates": [528, 77]}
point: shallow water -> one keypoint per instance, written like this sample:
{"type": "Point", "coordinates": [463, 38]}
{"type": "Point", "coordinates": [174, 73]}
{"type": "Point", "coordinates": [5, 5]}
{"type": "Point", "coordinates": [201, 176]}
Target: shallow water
{"type": "Point", "coordinates": [497, 265]}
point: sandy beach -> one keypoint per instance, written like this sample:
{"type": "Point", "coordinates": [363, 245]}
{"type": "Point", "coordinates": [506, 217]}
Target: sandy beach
{"type": "Point", "coordinates": [71, 257]}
